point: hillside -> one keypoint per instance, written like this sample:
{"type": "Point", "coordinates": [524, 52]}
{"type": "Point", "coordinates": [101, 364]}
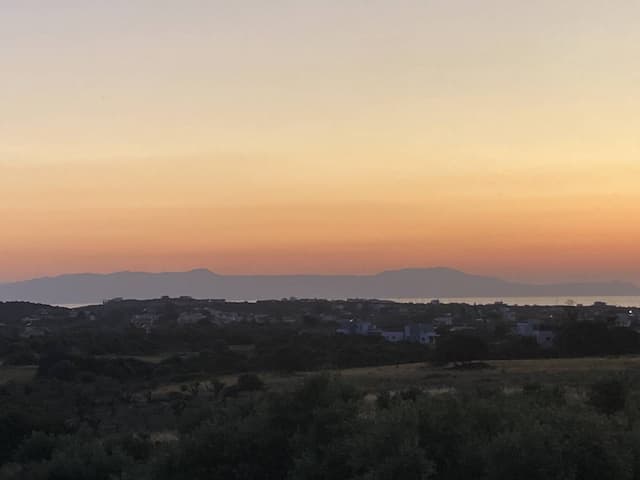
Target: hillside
{"type": "Point", "coordinates": [407, 283]}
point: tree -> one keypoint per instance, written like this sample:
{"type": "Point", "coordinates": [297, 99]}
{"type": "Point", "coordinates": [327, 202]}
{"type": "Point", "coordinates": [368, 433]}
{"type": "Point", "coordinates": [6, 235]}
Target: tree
{"type": "Point", "coordinates": [584, 339]}
{"type": "Point", "coordinates": [461, 348]}
{"type": "Point", "coordinates": [608, 396]}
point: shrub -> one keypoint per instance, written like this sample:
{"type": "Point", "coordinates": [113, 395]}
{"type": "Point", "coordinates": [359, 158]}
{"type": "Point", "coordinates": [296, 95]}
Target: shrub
{"type": "Point", "coordinates": [608, 396]}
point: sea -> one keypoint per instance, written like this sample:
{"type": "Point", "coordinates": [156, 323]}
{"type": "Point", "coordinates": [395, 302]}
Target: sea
{"type": "Point", "coordinates": [618, 301]}
{"type": "Point", "coordinates": [73, 305]}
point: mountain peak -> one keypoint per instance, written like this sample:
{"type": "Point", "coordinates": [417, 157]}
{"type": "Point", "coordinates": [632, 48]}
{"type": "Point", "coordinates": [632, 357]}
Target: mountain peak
{"type": "Point", "coordinates": [204, 271]}
{"type": "Point", "coordinates": [431, 282]}
{"type": "Point", "coordinates": [423, 270]}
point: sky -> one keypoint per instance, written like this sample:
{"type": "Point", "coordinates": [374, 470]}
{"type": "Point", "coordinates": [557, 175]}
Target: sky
{"type": "Point", "coordinates": [499, 137]}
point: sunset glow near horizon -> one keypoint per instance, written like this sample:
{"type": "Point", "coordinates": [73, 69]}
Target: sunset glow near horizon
{"type": "Point", "coordinates": [496, 137]}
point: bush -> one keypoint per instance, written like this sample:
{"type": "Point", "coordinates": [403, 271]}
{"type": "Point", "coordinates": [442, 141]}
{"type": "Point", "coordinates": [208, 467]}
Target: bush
{"type": "Point", "coordinates": [24, 357]}
{"type": "Point", "coordinates": [249, 383]}
{"type": "Point", "coordinates": [461, 348]}
{"type": "Point", "coordinates": [608, 396]}
{"type": "Point", "coordinates": [36, 448]}
{"type": "Point", "coordinates": [82, 458]}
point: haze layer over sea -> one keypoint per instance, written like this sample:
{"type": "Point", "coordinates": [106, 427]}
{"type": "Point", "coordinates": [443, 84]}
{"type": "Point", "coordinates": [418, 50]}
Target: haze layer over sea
{"type": "Point", "coordinates": [619, 301]}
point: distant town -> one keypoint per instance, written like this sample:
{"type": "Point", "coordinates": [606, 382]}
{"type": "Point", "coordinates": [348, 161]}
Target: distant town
{"type": "Point", "coordinates": [420, 323]}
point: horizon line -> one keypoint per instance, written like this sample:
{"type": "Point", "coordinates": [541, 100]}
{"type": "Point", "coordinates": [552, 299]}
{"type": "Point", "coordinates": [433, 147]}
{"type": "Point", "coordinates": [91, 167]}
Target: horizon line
{"type": "Point", "coordinates": [372, 274]}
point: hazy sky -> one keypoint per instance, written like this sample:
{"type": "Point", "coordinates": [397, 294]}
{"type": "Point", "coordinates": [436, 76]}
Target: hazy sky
{"type": "Point", "coordinates": [495, 136]}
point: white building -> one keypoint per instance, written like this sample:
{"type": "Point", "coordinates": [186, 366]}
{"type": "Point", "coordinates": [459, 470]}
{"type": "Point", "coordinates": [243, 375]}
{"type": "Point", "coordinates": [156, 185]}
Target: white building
{"type": "Point", "coordinates": [525, 329]}
{"type": "Point", "coordinates": [625, 319]}
{"type": "Point", "coordinates": [356, 328]}
{"type": "Point", "coordinates": [446, 320]}
{"type": "Point", "coordinates": [420, 333]}
{"type": "Point", "coordinates": [393, 335]}
{"type": "Point", "coordinates": [144, 321]}
{"type": "Point", "coordinates": [189, 318]}
{"type": "Point", "coordinates": [544, 338]}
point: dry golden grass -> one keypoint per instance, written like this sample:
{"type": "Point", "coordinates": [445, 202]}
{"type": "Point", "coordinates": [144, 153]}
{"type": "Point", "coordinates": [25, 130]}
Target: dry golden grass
{"type": "Point", "coordinates": [143, 358]}
{"type": "Point", "coordinates": [509, 375]}
{"type": "Point", "coordinates": [552, 365]}
{"type": "Point", "coordinates": [506, 374]}
{"type": "Point", "coordinates": [21, 374]}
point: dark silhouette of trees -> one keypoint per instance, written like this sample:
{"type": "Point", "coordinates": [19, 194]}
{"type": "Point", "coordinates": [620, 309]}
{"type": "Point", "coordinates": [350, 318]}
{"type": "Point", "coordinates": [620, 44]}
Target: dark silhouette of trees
{"type": "Point", "coordinates": [596, 338]}
{"type": "Point", "coordinates": [461, 348]}
{"type": "Point", "coordinates": [609, 396]}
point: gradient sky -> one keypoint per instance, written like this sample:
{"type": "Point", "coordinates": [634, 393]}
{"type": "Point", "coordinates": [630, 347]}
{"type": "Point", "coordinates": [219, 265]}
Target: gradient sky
{"type": "Point", "coordinates": [496, 136]}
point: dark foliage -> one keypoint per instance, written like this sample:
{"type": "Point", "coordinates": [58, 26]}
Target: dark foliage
{"type": "Point", "coordinates": [327, 429]}
{"type": "Point", "coordinates": [461, 348]}
{"type": "Point", "coordinates": [595, 338]}
{"type": "Point", "coordinates": [609, 396]}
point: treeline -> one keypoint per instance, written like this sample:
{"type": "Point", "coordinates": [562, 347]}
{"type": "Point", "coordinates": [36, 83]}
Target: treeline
{"type": "Point", "coordinates": [279, 354]}
{"type": "Point", "coordinates": [326, 429]}
{"type": "Point", "coordinates": [576, 339]}
{"type": "Point", "coordinates": [216, 350]}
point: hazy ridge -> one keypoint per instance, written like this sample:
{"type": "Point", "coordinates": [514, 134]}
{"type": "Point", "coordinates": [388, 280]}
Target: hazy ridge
{"type": "Point", "coordinates": [406, 283]}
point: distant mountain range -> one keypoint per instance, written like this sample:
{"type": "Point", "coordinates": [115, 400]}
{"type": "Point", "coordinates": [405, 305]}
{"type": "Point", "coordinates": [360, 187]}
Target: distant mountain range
{"type": "Point", "coordinates": [407, 283]}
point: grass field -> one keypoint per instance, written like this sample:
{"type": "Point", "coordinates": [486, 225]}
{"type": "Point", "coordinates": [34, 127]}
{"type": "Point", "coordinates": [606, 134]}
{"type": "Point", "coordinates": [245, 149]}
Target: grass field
{"type": "Point", "coordinates": [505, 374]}
{"type": "Point", "coordinates": [143, 358]}
{"type": "Point", "coordinates": [21, 374]}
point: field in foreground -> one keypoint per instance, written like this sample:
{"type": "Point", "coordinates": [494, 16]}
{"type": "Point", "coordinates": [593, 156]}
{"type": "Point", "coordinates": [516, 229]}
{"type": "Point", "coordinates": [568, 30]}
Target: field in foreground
{"type": "Point", "coordinates": [21, 374]}
{"type": "Point", "coordinates": [552, 419]}
{"type": "Point", "coordinates": [502, 374]}
{"type": "Point", "coordinates": [511, 372]}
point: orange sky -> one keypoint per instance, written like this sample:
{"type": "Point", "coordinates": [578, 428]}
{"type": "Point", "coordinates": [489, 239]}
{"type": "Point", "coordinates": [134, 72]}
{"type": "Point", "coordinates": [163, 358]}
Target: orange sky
{"type": "Point", "coordinates": [342, 137]}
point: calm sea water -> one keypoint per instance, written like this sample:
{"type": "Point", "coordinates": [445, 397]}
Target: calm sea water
{"type": "Point", "coordinates": [619, 301]}
{"type": "Point", "coordinates": [73, 305]}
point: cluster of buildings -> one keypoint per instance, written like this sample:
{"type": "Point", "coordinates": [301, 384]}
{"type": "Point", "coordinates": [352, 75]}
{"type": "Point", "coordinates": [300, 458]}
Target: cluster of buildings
{"type": "Point", "coordinates": [426, 334]}
{"type": "Point", "coordinates": [541, 326]}
{"type": "Point", "coordinates": [415, 333]}
{"type": "Point", "coordinates": [421, 323]}
{"type": "Point", "coordinates": [543, 336]}
{"type": "Point", "coordinates": [148, 320]}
